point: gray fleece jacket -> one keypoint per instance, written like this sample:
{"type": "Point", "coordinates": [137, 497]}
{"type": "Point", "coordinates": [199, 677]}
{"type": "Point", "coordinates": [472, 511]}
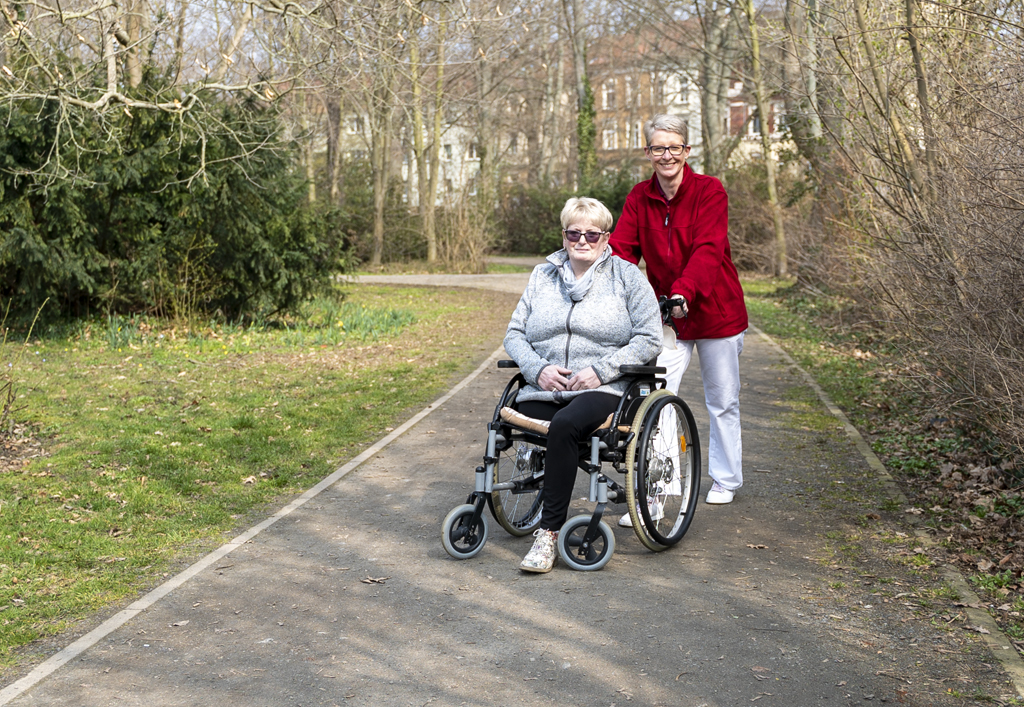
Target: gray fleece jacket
{"type": "Point", "coordinates": [616, 323]}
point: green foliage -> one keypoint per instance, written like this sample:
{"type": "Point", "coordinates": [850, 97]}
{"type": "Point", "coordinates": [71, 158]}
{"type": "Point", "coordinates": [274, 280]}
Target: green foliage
{"type": "Point", "coordinates": [171, 214]}
{"type": "Point", "coordinates": [992, 582]}
{"type": "Point", "coordinates": [528, 219]}
{"type": "Point", "coordinates": [528, 216]}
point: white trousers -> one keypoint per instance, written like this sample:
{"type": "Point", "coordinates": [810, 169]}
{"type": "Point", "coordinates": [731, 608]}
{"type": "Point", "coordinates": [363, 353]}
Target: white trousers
{"type": "Point", "coordinates": [720, 370]}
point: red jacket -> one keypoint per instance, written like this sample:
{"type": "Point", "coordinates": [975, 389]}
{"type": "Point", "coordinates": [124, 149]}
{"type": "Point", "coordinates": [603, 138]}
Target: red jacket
{"type": "Point", "coordinates": [685, 243]}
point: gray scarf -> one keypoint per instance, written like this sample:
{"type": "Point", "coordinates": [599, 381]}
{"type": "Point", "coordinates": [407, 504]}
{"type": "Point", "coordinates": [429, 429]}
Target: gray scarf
{"type": "Point", "coordinates": [579, 287]}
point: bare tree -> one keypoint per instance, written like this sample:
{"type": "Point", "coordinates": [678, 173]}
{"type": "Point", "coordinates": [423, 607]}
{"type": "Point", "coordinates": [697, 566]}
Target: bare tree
{"type": "Point", "coordinates": [761, 97]}
{"type": "Point", "coordinates": [586, 131]}
{"type": "Point", "coordinates": [83, 57]}
{"type": "Point", "coordinates": [427, 152]}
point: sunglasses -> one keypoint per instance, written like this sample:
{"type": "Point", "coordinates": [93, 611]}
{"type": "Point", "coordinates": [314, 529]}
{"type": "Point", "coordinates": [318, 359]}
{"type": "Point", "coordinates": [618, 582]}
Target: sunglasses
{"type": "Point", "coordinates": [573, 236]}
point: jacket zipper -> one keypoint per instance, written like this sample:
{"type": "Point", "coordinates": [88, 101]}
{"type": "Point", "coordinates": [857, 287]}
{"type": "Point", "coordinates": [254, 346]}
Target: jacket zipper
{"type": "Point", "coordinates": [568, 331]}
{"type": "Point", "coordinates": [668, 235]}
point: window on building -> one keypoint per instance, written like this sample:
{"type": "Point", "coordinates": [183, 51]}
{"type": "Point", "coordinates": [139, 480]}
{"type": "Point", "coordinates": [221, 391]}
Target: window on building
{"type": "Point", "coordinates": [448, 188]}
{"type": "Point", "coordinates": [683, 94]}
{"type": "Point", "coordinates": [610, 139]}
{"type": "Point", "coordinates": [513, 145]}
{"type": "Point", "coordinates": [608, 95]}
{"type": "Point", "coordinates": [355, 125]}
{"type": "Point", "coordinates": [637, 139]}
{"type": "Point", "coordinates": [446, 152]}
{"type": "Point", "coordinates": [629, 90]}
{"type": "Point", "coordinates": [473, 151]}
{"type": "Point", "coordinates": [657, 89]}
{"type": "Point", "coordinates": [737, 116]}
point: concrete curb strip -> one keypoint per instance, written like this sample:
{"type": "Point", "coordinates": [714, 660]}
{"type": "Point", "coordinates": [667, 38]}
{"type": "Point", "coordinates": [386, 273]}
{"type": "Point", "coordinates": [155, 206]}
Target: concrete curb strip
{"type": "Point", "coordinates": [72, 651]}
{"type": "Point", "coordinates": [994, 638]}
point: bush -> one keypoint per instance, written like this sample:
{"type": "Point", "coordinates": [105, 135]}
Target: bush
{"type": "Point", "coordinates": [528, 216]}
{"type": "Point", "coordinates": [162, 213]}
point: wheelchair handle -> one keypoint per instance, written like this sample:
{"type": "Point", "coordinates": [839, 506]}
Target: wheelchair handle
{"type": "Point", "coordinates": [507, 363]}
{"type": "Point", "coordinates": [667, 305]}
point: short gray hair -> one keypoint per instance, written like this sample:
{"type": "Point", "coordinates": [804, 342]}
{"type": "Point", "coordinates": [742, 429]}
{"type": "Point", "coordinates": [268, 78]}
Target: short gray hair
{"type": "Point", "coordinates": [584, 208]}
{"type": "Point", "coordinates": [666, 123]}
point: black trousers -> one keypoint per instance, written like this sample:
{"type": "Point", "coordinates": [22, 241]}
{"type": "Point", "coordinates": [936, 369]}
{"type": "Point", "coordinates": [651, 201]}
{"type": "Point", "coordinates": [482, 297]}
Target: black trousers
{"type": "Point", "coordinates": [570, 423]}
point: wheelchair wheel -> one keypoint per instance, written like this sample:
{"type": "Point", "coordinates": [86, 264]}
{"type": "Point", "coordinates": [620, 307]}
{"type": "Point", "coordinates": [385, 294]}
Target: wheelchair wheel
{"type": "Point", "coordinates": [590, 558]}
{"type": "Point", "coordinates": [462, 539]}
{"type": "Point", "coordinates": [663, 471]}
{"type": "Point", "coordinates": [518, 511]}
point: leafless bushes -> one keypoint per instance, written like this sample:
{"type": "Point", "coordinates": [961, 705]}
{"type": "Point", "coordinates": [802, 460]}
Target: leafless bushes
{"type": "Point", "coordinates": [952, 270]}
{"type": "Point", "coordinates": [466, 235]}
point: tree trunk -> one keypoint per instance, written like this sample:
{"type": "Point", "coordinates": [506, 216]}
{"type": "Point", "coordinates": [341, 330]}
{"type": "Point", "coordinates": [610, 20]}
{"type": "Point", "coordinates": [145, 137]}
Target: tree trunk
{"type": "Point", "coordinates": [761, 95]}
{"type": "Point", "coordinates": [179, 40]}
{"type": "Point", "coordinates": [419, 148]}
{"type": "Point", "coordinates": [922, 93]}
{"type": "Point", "coordinates": [133, 20]}
{"type": "Point", "coordinates": [553, 87]}
{"type": "Point", "coordinates": [307, 147]}
{"type": "Point", "coordinates": [427, 155]}
{"type": "Point", "coordinates": [381, 125]}
{"type": "Point", "coordinates": [430, 216]}
{"type": "Point", "coordinates": [333, 164]}
{"type": "Point", "coordinates": [915, 179]}
{"type": "Point", "coordinates": [800, 77]}
{"type": "Point", "coordinates": [586, 132]}
{"type": "Point", "coordinates": [380, 163]}
{"type": "Point", "coordinates": [716, 65]}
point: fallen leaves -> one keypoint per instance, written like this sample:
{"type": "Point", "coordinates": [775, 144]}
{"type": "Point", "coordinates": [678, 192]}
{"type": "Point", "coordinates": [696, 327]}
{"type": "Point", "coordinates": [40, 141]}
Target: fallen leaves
{"type": "Point", "coordinates": [374, 580]}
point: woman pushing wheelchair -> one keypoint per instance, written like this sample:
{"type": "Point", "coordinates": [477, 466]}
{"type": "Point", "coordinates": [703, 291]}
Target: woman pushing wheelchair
{"type": "Point", "coordinates": [584, 314]}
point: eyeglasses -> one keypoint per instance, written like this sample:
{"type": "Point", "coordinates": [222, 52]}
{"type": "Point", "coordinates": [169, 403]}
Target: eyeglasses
{"type": "Point", "coordinates": [573, 236]}
{"type": "Point", "coordinates": [659, 150]}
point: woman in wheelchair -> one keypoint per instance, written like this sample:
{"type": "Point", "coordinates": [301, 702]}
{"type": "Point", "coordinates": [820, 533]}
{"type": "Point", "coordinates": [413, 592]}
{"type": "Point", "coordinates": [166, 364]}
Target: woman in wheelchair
{"type": "Point", "coordinates": [584, 314]}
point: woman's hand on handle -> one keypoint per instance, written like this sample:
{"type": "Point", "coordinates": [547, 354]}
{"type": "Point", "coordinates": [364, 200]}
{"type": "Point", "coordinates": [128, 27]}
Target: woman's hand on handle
{"type": "Point", "coordinates": [554, 378]}
{"type": "Point", "coordinates": [680, 312]}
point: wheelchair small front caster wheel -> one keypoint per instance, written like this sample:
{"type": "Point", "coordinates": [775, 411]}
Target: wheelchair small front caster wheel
{"type": "Point", "coordinates": [461, 537]}
{"type": "Point", "coordinates": [582, 555]}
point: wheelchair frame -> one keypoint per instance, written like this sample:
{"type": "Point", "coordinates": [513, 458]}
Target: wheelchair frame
{"type": "Point", "coordinates": [586, 542]}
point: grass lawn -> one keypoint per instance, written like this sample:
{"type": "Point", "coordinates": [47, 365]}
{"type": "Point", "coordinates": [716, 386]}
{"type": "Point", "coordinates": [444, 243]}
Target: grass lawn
{"type": "Point", "coordinates": [138, 447]}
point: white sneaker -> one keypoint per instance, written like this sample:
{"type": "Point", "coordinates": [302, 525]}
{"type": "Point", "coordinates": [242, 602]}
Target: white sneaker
{"type": "Point", "coordinates": [656, 509]}
{"type": "Point", "coordinates": [719, 495]}
{"type": "Point", "coordinates": [541, 557]}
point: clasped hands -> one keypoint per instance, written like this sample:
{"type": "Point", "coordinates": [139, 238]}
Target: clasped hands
{"type": "Point", "coordinates": [558, 378]}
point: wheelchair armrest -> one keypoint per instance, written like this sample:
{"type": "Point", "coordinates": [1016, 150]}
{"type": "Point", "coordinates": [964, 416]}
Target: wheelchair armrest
{"type": "Point", "coordinates": [642, 370]}
{"type": "Point", "coordinates": [506, 363]}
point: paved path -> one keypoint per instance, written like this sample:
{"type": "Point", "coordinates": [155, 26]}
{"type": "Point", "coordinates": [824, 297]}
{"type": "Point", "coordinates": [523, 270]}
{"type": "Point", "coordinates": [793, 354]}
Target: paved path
{"type": "Point", "coordinates": [349, 599]}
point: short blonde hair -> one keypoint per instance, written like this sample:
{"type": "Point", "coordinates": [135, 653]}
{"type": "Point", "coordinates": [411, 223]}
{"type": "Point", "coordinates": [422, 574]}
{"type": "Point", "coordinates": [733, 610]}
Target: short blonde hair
{"type": "Point", "coordinates": [583, 208]}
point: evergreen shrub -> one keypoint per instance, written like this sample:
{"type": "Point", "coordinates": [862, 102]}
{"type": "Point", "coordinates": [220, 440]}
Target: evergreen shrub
{"type": "Point", "coordinates": [156, 212]}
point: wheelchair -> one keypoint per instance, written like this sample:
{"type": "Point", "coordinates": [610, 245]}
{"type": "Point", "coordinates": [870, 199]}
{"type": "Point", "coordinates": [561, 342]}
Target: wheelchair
{"type": "Point", "coordinates": [650, 441]}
